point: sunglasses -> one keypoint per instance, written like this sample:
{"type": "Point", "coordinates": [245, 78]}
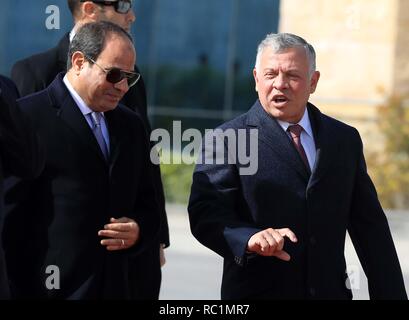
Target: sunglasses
{"type": "Point", "coordinates": [115, 75]}
{"type": "Point", "coordinates": [121, 6]}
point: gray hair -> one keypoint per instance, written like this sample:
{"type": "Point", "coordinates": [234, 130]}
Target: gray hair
{"type": "Point", "coordinates": [91, 38]}
{"type": "Point", "coordinates": [280, 42]}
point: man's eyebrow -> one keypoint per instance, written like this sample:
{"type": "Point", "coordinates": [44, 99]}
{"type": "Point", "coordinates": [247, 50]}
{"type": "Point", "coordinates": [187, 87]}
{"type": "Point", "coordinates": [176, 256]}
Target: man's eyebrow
{"type": "Point", "coordinates": [115, 67]}
{"type": "Point", "coordinates": [292, 70]}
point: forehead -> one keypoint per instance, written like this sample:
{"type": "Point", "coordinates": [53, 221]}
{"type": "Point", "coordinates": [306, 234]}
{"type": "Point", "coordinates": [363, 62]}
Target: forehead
{"type": "Point", "coordinates": [292, 57]}
{"type": "Point", "coordinates": [118, 49]}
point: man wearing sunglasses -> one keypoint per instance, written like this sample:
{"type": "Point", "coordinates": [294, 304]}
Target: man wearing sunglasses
{"type": "Point", "coordinates": [35, 73]}
{"type": "Point", "coordinates": [93, 207]}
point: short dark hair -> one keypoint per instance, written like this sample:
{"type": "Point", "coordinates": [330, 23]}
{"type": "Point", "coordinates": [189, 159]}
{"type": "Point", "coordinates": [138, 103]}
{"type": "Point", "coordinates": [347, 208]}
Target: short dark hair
{"type": "Point", "coordinates": [91, 38]}
{"type": "Point", "coordinates": [74, 6]}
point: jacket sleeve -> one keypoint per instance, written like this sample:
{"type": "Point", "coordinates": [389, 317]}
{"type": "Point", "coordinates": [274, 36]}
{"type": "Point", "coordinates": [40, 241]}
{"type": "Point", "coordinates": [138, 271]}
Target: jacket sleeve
{"type": "Point", "coordinates": [135, 99]}
{"type": "Point", "coordinates": [372, 238]}
{"type": "Point", "coordinates": [147, 208]}
{"type": "Point", "coordinates": [213, 204]}
{"type": "Point", "coordinates": [160, 198]}
{"type": "Point", "coordinates": [159, 192]}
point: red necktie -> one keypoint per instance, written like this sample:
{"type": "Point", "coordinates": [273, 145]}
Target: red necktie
{"type": "Point", "coordinates": [295, 132]}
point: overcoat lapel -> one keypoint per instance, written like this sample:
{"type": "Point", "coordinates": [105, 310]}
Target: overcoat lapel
{"type": "Point", "coordinates": [322, 136]}
{"type": "Point", "coordinates": [115, 137]}
{"type": "Point", "coordinates": [71, 115]}
{"type": "Point", "coordinates": [271, 134]}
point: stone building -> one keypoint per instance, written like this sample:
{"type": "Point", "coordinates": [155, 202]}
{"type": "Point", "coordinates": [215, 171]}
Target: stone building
{"type": "Point", "coordinates": [362, 52]}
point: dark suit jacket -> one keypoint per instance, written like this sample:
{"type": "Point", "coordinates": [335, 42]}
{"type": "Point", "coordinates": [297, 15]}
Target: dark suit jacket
{"type": "Point", "coordinates": [54, 219]}
{"type": "Point", "coordinates": [226, 209]}
{"type": "Point", "coordinates": [21, 154]}
{"type": "Point", "coordinates": [35, 73]}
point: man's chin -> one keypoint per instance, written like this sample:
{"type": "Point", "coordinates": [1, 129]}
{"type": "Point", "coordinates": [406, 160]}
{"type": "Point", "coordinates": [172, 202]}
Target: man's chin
{"type": "Point", "coordinates": [109, 106]}
{"type": "Point", "coordinates": [275, 113]}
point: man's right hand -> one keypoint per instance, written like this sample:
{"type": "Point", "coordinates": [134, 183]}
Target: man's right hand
{"type": "Point", "coordinates": [270, 242]}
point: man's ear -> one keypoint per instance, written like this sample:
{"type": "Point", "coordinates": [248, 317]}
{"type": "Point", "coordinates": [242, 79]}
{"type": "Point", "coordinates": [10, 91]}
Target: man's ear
{"type": "Point", "coordinates": [89, 11]}
{"type": "Point", "coordinates": [77, 61]}
{"type": "Point", "coordinates": [314, 81]}
{"type": "Point", "coordinates": [255, 78]}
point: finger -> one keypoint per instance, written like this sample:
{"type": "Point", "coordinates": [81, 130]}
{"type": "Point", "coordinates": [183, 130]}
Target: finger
{"type": "Point", "coordinates": [121, 226]}
{"type": "Point", "coordinates": [282, 255]}
{"type": "Point", "coordinates": [285, 232]}
{"type": "Point", "coordinates": [114, 248]}
{"type": "Point", "coordinates": [114, 242]}
{"type": "Point", "coordinates": [263, 245]}
{"type": "Point", "coordinates": [272, 244]}
{"type": "Point", "coordinates": [114, 234]}
{"type": "Point", "coordinates": [279, 240]}
{"type": "Point", "coordinates": [257, 243]}
{"type": "Point", "coordinates": [122, 219]}
{"type": "Point", "coordinates": [270, 240]}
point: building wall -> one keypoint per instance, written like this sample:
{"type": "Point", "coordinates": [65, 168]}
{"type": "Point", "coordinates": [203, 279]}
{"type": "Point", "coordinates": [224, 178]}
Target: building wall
{"type": "Point", "coordinates": [401, 66]}
{"type": "Point", "coordinates": [356, 44]}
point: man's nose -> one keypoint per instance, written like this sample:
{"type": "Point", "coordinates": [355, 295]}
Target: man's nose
{"type": "Point", "coordinates": [280, 81]}
{"type": "Point", "coordinates": [131, 16]}
{"type": "Point", "coordinates": [122, 85]}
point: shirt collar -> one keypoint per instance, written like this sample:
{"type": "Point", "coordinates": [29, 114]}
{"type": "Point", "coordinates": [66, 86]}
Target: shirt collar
{"type": "Point", "coordinates": [72, 34]}
{"type": "Point", "coordinates": [78, 100]}
{"type": "Point", "coordinates": [305, 123]}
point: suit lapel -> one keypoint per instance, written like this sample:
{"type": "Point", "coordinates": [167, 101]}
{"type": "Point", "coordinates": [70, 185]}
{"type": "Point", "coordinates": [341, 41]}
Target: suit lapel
{"type": "Point", "coordinates": [322, 143]}
{"type": "Point", "coordinates": [276, 139]}
{"type": "Point", "coordinates": [114, 129]}
{"type": "Point", "coordinates": [72, 116]}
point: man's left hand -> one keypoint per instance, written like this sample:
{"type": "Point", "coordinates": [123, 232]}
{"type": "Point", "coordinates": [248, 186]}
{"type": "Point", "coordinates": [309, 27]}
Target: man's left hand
{"type": "Point", "coordinates": [123, 233]}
